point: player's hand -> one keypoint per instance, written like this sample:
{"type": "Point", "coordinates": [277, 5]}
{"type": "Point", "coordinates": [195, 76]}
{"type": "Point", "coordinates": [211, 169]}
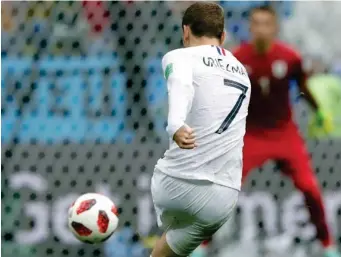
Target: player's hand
{"type": "Point", "coordinates": [324, 121]}
{"type": "Point", "coordinates": [185, 138]}
{"type": "Point", "coordinates": [321, 124]}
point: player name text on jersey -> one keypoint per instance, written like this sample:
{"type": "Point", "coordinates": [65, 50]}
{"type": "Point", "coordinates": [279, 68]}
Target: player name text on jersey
{"type": "Point", "coordinates": [218, 63]}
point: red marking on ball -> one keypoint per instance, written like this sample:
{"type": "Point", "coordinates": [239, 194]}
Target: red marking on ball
{"type": "Point", "coordinates": [102, 222]}
{"type": "Point", "coordinates": [85, 206]}
{"type": "Point", "coordinates": [81, 229]}
{"type": "Point", "coordinates": [114, 210]}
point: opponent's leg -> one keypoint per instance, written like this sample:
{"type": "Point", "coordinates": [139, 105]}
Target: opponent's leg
{"type": "Point", "coordinates": [297, 166]}
{"type": "Point", "coordinates": [305, 181]}
{"type": "Point", "coordinates": [257, 150]}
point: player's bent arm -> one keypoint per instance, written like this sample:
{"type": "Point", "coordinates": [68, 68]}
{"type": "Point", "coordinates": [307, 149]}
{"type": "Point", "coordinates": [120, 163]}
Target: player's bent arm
{"type": "Point", "coordinates": [307, 94]}
{"type": "Point", "coordinates": [180, 97]}
{"type": "Point", "coordinates": [321, 119]}
{"type": "Point", "coordinates": [178, 73]}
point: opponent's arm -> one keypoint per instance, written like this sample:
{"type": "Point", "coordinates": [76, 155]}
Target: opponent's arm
{"type": "Point", "coordinates": [178, 73]}
{"type": "Point", "coordinates": [321, 118]}
{"type": "Point", "coordinates": [301, 79]}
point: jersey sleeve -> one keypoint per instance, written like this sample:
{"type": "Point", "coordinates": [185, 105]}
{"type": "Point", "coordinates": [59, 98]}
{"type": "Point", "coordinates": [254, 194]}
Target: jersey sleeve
{"type": "Point", "coordinates": [177, 69]}
{"type": "Point", "coordinates": [299, 74]}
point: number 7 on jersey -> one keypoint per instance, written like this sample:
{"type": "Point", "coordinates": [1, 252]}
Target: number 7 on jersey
{"type": "Point", "coordinates": [229, 118]}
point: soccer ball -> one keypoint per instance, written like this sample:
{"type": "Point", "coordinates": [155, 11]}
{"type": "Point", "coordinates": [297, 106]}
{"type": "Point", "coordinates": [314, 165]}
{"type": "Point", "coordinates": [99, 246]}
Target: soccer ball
{"type": "Point", "coordinates": [93, 218]}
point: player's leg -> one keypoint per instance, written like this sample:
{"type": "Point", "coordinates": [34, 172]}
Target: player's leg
{"type": "Point", "coordinates": [305, 181]}
{"type": "Point", "coordinates": [162, 249]}
{"type": "Point", "coordinates": [180, 240]}
{"type": "Point", "coordinates": [256, 152]}
{"type": "Point", "coordinates": [297, 166]}
{"type": "Point", "coordinates": [160, 187]}
{"type": "Point", "coordinates": [194, 220]}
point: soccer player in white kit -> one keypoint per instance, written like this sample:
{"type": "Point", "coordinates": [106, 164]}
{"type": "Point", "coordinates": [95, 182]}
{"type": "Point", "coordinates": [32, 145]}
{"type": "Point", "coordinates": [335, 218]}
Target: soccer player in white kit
{"type": "Point", "coordinates": [195, 186]}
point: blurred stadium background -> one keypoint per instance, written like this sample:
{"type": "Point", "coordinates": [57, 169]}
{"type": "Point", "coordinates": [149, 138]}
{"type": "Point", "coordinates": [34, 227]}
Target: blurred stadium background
{"type": "Point", "coordinates": [84, 108]}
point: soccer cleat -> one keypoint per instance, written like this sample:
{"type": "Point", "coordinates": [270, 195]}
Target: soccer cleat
{"type": "Point", "coordinates": [331, 252]}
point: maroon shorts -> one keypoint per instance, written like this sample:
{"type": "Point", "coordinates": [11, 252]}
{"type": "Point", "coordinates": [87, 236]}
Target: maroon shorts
{"type": "Point", "coordinates": [284, 145]}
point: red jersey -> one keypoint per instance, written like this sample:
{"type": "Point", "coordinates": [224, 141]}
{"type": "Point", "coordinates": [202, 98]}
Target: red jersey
{"type": "Point", "coordinates": [270, 75]}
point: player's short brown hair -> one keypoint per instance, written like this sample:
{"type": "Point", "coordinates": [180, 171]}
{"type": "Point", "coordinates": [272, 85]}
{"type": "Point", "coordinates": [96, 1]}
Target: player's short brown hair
{"type": "Point", "coordinates": [264, 8]}
{"type": "Point", "coordinates": [205, 19]}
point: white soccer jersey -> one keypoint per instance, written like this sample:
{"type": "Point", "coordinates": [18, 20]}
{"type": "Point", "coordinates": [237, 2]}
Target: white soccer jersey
{"type": "Point", "coordinates": [208, 90]}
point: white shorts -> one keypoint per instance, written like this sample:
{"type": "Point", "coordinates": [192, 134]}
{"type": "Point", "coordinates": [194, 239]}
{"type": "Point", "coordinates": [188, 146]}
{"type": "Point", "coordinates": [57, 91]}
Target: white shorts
{"type": "Point", "coordinates": [190, 211]}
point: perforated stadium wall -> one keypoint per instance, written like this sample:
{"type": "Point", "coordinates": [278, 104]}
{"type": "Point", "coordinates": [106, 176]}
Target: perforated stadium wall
{"type": "Point", "coordinates": [84, 108]}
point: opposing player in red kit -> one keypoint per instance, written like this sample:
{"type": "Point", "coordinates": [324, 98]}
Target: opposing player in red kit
{"type": "Point", "coordinates": [271, 134]}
